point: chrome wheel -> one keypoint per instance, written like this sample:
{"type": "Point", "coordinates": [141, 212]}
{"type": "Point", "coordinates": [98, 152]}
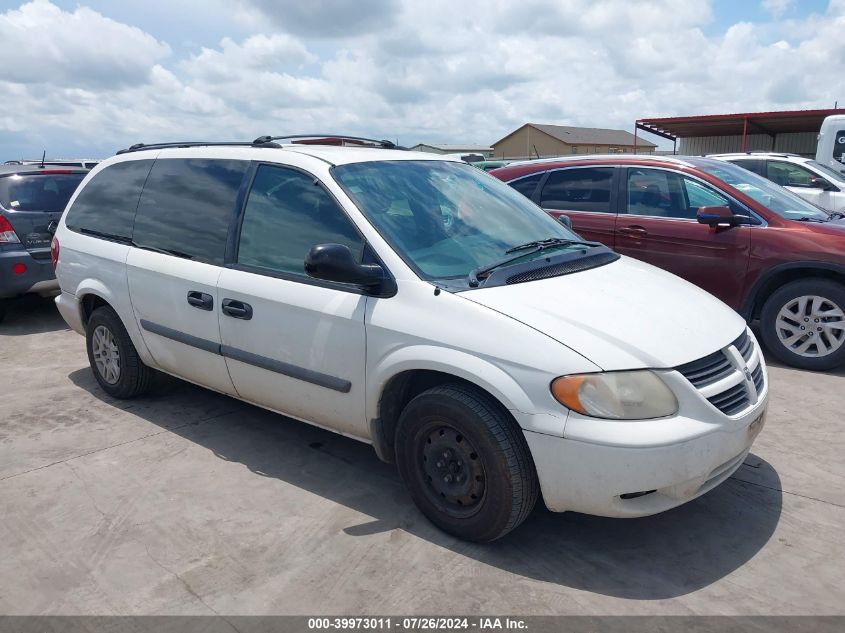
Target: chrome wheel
{"type": "Point", "coordinates": [811, 326]}
{"type": "Point", "coordinates": [106, 354]}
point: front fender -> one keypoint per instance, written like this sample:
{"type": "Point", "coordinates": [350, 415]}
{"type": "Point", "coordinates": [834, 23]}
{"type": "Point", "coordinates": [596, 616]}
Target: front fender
{"type": "Point", "coordinates": [474, 369]}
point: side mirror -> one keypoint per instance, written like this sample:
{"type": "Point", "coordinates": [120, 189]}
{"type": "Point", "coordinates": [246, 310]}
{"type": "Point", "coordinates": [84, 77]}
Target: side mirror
{"type": "Point", "coordinates": [817, 182]}
{"type": "Point", "coordinates": [334, 262]}
{"type": "Point", "coordinates": [566, 221]}
{"type": "Point", "coordinates": [720, 216]}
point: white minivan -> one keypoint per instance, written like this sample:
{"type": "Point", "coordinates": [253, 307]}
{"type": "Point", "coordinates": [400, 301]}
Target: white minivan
{"type": "Point", "coordinates": [422, 306]}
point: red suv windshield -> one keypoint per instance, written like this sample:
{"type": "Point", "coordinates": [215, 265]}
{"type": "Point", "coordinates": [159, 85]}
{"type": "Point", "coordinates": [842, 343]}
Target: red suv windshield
{"type": "Point", "coordinates": [774, 197]}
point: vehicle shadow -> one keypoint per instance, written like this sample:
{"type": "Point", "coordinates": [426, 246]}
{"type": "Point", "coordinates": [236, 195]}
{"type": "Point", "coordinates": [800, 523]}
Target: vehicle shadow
{"type": "Point", "coordinates": [653, 558]}
{"type": "Point", "coordinates": [31, 314]}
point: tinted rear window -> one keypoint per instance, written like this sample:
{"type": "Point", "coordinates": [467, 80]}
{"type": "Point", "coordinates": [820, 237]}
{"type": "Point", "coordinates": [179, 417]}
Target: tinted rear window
{"type": "Point", "coordinates": [38, 192]}
{"type": "Point", "coordinates": [578, 189]}
{"type": "Point", "coordinates": [187, 205]}
{"type": "Point", "coordinates": [107, 203]}
{"type": "Point", "coordinates": [527, 185]}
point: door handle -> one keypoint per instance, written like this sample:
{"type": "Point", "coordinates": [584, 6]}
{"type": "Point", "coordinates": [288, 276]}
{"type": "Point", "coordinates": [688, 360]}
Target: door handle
{"type": "Point", "coordinates": [237, 309]}
{"type": "Point", "coordinates": [201, 300]}
{"type": "Point", "coordinates": [636, 232]}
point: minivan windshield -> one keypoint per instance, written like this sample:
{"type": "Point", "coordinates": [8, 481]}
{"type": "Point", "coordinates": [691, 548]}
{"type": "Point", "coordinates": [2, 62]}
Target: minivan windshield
{"type": "Point", "coordinates": [774, 197]}
{"type": "Point", "coordinates": [38, 192]}
{"type": "Point", "coordinates": [446, 219]}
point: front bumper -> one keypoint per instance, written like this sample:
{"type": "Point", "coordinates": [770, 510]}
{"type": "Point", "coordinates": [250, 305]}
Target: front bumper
{"type": "Point", "coordinates": [38, 277]}
{"type": "Point", "coordinates": [592, 478]}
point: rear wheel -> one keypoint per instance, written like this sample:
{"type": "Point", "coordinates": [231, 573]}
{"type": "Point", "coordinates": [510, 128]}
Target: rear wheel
{"type": "Point", "coordinates": [113, 357]}
{"type": "Point", "coordinates": [465, 462]}
{"type": "Point", "coordinates": [2, 309]}
{"type": "Point", "coordinates": [803, 324]}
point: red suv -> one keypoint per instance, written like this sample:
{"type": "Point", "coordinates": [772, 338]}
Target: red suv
{"type": "Point", "coordinates": [758, 247]}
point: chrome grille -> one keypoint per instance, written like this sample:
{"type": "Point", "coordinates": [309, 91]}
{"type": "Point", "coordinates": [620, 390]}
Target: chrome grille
{"type": "Point", "coordinates": [707, 370]}
{"type": "Point", "coordinates": [732, 400]}
{"type": "Point", "coordinates": [757, 376]}
{"type": "Point", "coordinates": [731, 379]}
{"type": "Point", "coordinates": [744, 346]}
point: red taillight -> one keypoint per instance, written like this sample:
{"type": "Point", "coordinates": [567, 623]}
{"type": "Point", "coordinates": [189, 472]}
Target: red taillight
{"type": "Point", "coordinates": [18, 269]}
{"type": "Point", "coordinates": [54, 253]}
{"type": "Point", "coordinates": [7, 233]}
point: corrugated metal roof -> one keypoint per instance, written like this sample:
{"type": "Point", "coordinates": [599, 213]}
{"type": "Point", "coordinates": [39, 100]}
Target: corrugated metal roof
{"type": "Point", "coordinates": [770, 123]}
{"type": "Point", "coordinates": [589, 135]}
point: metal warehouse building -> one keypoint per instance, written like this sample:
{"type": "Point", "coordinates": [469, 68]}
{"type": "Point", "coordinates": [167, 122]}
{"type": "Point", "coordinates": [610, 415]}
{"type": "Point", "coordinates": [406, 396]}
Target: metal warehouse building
{"type": "Point", "coordinates": [794, 132]}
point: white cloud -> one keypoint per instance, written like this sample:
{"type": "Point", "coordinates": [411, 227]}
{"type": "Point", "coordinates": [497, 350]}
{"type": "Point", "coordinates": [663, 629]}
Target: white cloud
{"type": "Point", "coordinates": [777, 7]}
{"type": "Point", "coordinates": [40, 43]}
{"type": "Point", "coordinates": [436, 71]}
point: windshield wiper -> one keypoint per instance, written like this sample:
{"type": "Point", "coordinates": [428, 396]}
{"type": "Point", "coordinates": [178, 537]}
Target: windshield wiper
{"type": "Point", "coordinates": [837, 215]}
{"type": "Point", "coordinates": [549, 242]}
{"type": "Point", "coordinates": [807, 218]}
{"type": "Point", "coordinates": [121, 239]}
{"type": "Point", "coordinates": [523, 251]}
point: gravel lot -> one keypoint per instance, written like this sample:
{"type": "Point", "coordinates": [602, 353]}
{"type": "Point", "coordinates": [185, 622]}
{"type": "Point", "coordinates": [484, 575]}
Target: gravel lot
{"type": "Point", "coordinates": [189, 502]}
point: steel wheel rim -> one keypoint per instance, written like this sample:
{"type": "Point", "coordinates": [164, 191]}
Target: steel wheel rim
{"type": "Point", "coordinates": [452, 470]}
{"type": "Point", "coordinates": [811, 326]}
{"type": "Point", "coordinates": [106, 354]}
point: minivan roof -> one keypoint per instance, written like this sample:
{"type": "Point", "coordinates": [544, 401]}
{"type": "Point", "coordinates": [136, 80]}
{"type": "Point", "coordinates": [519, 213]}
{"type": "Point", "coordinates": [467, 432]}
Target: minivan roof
{"type": "Point", "coordinates": [333, 155]}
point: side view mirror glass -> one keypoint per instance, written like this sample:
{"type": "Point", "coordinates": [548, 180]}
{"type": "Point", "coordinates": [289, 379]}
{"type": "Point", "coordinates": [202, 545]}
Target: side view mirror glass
{"type": "Point", "coordinates": [721, 216]}
{"type": "Point", "coordinates": [335, 262]}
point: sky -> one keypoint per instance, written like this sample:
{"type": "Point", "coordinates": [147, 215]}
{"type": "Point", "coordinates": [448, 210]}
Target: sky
{"type": "Point", "coordinates": [86, 78]}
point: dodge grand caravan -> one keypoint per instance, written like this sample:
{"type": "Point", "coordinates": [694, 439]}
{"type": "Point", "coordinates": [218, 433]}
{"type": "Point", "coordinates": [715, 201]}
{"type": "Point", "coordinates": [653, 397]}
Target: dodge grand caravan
{"type": "Point", "coordinates": [422, 306]}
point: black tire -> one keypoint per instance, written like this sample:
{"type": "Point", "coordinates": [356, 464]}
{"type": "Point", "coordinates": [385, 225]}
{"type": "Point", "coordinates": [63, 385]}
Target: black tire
{"type": "Point", "coordinates": [466, 423]}
{"type": "Point", "coordinates": [832, 292]}
{"type": "Point", "coordinates": [134, 377]}
{"type": "Point", "coordinates": [2, 309]}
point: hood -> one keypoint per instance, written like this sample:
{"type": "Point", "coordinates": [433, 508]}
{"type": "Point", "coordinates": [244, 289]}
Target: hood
{"type": "Point", "coordinates": [624, 315]}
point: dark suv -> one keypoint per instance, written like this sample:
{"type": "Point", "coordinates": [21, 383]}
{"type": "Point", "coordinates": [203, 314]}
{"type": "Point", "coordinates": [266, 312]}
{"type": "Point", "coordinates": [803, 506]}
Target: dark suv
{"type": "Point", "coordinates": [31, 197]}
{"type": "Point", "coordinates": [758, 247]}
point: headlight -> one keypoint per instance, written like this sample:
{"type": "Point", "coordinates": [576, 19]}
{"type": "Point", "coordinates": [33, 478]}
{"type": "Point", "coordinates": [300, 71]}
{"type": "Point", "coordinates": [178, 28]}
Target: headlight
{"type": "Point", "coordinates": [622, 395]}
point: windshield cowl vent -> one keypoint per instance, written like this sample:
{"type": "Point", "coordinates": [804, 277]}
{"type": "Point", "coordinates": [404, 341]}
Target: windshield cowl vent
{"type": "Point", "coordinates": [564, 268]}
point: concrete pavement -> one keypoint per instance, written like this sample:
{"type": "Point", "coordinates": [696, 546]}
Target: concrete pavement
{"type": "Point", "coordinates": [189, 502]}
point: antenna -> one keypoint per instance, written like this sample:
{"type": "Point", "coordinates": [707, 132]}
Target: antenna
{"type": "Point", "coordinates": [43, 156]}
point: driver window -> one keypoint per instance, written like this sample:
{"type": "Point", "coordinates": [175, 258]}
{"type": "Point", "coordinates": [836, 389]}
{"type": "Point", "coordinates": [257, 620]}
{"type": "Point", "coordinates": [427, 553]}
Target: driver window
{"type": "Point", "coordinates": [788, 174]}
{"type": "Point", "coordinates": [287, 213]}
{"type": "Point", "coordinates": [700, 195]}
{"type": "Point", "coordinates": [657, 193]}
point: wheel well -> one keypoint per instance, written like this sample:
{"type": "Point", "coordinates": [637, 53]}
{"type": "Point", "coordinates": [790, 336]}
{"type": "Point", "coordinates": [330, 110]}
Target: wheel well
{"type": "Point", "coordinates": [91, 302]}
{"type": "Point", "coordinates": [792, 274]}
{"type": "Point", "coordinates": [398, 392]}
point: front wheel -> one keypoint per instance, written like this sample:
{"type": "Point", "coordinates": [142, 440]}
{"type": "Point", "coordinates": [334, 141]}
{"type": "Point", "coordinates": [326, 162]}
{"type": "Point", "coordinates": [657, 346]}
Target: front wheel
{"type": "Point", "coordinates": [803, 324]}
{"type": "Point", "coordinates": [465, 462]}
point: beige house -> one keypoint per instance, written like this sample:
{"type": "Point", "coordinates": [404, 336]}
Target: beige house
{"type": "Point", "coordinates": [534, 140]}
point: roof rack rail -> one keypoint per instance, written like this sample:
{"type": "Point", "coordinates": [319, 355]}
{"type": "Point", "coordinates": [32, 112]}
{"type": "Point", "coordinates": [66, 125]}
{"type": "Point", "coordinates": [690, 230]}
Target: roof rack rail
{"type": "Point", "coordinates": [362, 140]}
{"type": "Point", "coordinates": [142, 146]}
